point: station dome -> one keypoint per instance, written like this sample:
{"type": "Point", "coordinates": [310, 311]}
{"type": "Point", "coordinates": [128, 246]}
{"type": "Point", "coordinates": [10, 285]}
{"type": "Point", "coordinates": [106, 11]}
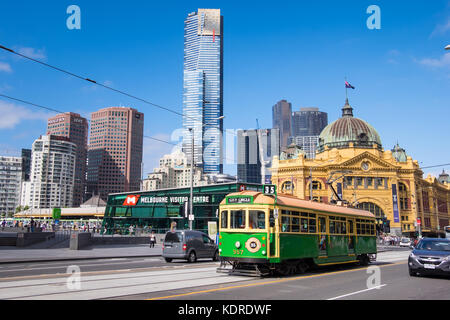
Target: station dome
{"type": "Point", "coordinates": [346, 130]}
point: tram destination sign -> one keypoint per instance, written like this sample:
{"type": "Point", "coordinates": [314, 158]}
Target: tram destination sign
{"type": "Point", "coordinates": [239, 199]}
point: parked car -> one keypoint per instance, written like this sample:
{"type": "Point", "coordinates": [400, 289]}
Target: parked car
{"type": "Point", "coordinates": [405, 242]}
{"type": "Point", "coordinates": [189, 245]}
{"type": "Point", "coordinates": [430, 256]}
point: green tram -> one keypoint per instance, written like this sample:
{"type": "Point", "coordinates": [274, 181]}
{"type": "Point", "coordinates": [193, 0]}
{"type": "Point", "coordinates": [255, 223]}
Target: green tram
{"type": "Point", "coordinates": [265, 235]}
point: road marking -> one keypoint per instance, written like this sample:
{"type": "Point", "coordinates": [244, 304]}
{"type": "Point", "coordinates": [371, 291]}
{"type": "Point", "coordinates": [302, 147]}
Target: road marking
{"type": "Point", "coordinates": [267, 282]}
{"type": "Point", "coordinates": [350, 294]}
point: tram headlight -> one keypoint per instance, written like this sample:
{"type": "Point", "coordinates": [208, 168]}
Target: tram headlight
{"type": "Point", "coordinates": [237, 244]}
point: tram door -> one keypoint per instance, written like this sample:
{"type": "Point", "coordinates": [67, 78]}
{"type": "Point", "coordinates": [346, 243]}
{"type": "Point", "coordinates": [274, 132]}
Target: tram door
{"type": "Point", "coordinates": [351, 236]}
{"type": "Point", "coordinates": [323, 238]}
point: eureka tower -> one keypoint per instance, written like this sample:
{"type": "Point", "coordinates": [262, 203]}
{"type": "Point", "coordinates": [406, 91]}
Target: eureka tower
{"type": "Point", "coordinates": [203, 89]}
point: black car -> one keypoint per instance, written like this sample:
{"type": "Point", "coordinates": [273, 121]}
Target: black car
{"type": "Point", "coordinates": [430, 256]}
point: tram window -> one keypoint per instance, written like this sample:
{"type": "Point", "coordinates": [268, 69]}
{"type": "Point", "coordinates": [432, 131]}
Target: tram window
{"type": "Point", "coordinates": [237, 219]}
{"type": "Point", "coordinates": [257, 219]}
{"type": "Point", "coordinates": [312, 225]}
{"type": "Point", "coordinates": [358, 228]}
{"type": "Point", "coordinates": [332, 227]}
{"type": "Point", "coordinates": [312, 215]}
{"type": "Point", "coordinates": [322, 225]}
{"type": "Point", "coordinates": [295, 213]}
{"type": "Point", "coordinates": [224, 219]}
{"type": "Point", "coordinates": [304, 224]}
{"type": "Point", "coordinates": [338, 227]}
{"type": "Point", "coordinates": [350, 227]}
{"type": "Point", "coordinates": [285, 224]}
{"type": "Point", "coordinates": [304, 214]}
{"type": "Point", "coordinates": [295, 225]}
{"type": "Point", "coordinates": [284, 212]}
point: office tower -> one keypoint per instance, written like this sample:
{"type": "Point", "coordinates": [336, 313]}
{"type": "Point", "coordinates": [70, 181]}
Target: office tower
{"type": "Point", "coordinates": [73, 126]}
{"type": "Point", "coordinates": [26, 164]}
{"type": "Point", "coordinates": [307, 143]}
{"type": "Point", "coordinates": [10, 184]}
{"type": "Point", "coordinates": [256, 149]}
{"type": "Point", "coordinates": [308, 122]}
{"type": "Point", "coordinates": [52, 177]}
{"type": "Point", "coordinates": [203, 89]}
{"type": "Point", "coordinates": [115, 151]}
{"type": "Point", "coordinates": [281, 119]}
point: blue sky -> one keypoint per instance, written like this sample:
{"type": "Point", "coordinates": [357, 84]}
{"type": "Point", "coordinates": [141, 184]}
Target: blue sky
{"type": "Point", "coordinates": [295, 50]}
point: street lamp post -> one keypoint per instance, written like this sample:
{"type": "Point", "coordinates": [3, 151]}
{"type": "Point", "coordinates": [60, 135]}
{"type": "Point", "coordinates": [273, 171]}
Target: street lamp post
{"type": "Point", "coordinates": [191, 196]}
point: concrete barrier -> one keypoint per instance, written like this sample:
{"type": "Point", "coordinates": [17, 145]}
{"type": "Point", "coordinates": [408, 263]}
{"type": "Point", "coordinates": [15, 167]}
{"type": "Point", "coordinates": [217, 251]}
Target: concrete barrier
{"type": "Point", "coordinates": [80, 240]}
{"type": "Point", "coordinates": [28, 238]}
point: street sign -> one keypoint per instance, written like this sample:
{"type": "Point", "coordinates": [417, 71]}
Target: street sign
{"type": "Point", "coordinates": [275, 213]}
{"type": "Point", "coordinates": [418, 220]}
{"type": "Point", "coordinates": [56, 214]}
{"type": "Point", "coordinates": [191, 217]}
{"type": "Point", "coordinates": [270, 189]}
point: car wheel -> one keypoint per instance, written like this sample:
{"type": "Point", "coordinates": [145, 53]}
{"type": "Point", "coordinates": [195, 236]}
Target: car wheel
{"type": "Point", "coordinates": [192, 257]}
{"type": "Point", "coordinates": [413, 273]}
{"type": "Point", "coordinates": [168, 259]}
{"type": "Point", "coordinates": [216, 256]}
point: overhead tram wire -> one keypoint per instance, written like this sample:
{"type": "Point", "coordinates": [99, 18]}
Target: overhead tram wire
{"type": "Point", "coordinates": [59, 111]}
{"type": "Point", "coordinates": [97, 83]}
{"type": "Point", "coordinates": [112, 127]}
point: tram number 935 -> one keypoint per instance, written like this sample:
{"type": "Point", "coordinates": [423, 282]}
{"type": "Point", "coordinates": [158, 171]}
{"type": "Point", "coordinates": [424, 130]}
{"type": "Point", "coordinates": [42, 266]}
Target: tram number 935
{"type": "Point", "coordinates": [237, 251]}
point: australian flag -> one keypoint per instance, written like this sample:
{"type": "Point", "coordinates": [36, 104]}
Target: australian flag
{"type": "Point", "coordinates": [348, 85]}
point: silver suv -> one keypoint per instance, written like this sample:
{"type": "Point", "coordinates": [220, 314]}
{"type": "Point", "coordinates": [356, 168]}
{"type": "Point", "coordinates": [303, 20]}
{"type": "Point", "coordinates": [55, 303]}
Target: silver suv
{"type": "Point", "coordinates": [188, 245]}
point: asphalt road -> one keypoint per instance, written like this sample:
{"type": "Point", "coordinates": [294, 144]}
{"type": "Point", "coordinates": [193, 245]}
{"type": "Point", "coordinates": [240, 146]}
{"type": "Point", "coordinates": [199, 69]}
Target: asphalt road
{"type": "Point", "coordinates": [153, 278]}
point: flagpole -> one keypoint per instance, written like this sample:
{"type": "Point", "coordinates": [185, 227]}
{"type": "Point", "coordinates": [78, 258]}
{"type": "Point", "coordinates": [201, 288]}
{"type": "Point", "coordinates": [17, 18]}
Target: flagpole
{"type": "Point", "coordinates": [346, 97]}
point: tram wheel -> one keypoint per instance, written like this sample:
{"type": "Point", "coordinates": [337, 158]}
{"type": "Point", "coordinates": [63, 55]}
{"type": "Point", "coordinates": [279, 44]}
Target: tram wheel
{"type": "Point", "coordinates": [301, 267]}
{"type": "Point", "coordinates": [286, 268]}
{"type": "Point", "coordinates": [364, 260]}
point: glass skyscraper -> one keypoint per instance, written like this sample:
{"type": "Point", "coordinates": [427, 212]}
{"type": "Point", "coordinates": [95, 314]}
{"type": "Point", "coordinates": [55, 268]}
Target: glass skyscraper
{"type": "Point", "coordinates": [203, 89]}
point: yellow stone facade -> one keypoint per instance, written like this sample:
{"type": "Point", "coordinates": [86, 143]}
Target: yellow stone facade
{"type": "Point", "coordinates": [367, 176]}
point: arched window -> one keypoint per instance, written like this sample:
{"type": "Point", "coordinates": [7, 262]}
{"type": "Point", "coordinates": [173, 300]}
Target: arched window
{"type": "Point", "coordinates": [403, 196]}
{"type": "Point", "coordinates": [287, 187]}
{"type": "Point", "coordinates": [316, 185]}
{"type": "Point", "coordinates": [372, 207]}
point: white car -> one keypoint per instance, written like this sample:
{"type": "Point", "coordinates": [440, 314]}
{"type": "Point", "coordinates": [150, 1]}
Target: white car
{"type": "Point", "coordinates": [405, 242]}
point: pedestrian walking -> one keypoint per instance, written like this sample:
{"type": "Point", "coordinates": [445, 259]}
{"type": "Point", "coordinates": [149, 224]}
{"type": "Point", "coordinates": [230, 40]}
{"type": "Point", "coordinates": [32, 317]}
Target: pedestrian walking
{"type": "Point", "coordinates": [152, 239]}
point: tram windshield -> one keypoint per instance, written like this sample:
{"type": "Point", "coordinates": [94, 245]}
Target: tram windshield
{"type": "Point", "coordinates": [257, 219]}
{"type": "Point", "coordinates": [237, 219]}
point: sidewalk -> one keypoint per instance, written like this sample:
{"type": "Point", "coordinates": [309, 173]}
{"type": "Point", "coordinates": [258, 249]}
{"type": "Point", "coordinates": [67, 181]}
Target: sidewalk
{"type": "Point", "coordinates": [13, 254]}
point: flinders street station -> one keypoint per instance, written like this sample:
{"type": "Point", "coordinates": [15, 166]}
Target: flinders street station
{"type": "Point", "coordinates": [351, 168]}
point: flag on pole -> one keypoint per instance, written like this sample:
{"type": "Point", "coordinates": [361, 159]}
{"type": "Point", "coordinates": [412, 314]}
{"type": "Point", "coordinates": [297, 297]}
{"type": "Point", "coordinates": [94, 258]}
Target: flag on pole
{"type": "Point", "coordinates": [348, 85]}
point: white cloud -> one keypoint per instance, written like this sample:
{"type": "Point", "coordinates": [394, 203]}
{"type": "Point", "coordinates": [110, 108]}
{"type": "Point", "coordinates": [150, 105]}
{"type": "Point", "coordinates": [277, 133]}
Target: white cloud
{"type": "Point", "coordinates": [441, 29]}
{"type": "Point", "coordinates": [32, 53]}
{"type": "Point", "coordinates": [443, 61]}
{"type": "Point", "coordinates": [5, 67]}
{"type": "Point", "coordinates": [154, 150]}
{"type": "Point", "coordinates": [13, 114]}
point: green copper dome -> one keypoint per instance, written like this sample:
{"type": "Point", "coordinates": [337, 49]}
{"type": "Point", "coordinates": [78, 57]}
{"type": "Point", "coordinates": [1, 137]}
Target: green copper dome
{"type": "Point", "coordinates": [399, 153]}
{"type": "Point", "coordinates": [348, 129]}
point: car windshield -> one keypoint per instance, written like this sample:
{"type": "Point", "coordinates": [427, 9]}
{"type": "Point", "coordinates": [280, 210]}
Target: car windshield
{"type": "Point", "coordinates": [173, 237]}
{"type": "Point", "coordinates": [405, 240]}
{"type": "Point", "coordinates": [434, 245]}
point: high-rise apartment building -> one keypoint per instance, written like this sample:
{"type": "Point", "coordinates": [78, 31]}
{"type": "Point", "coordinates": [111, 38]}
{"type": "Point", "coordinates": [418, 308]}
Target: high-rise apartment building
{"type": "Point", "coordinates": [52, 177]}
{"type": "Point", "coordinates": [115, 151]}
{"type": "Point", "coordinates": [308, 122]}
{"type": "Point", "coordinates": [203, 89]}
{"type": "Point", "coordinates": [26, 164]}
{"type": "Point", "coordinates": [10, 184]}
{"type": "Point", "coordinates": [73, 126]}
{"type": "Point", "coordinates": [256, 149]}
{"type": "Point", "coordinates": [282, 120]}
